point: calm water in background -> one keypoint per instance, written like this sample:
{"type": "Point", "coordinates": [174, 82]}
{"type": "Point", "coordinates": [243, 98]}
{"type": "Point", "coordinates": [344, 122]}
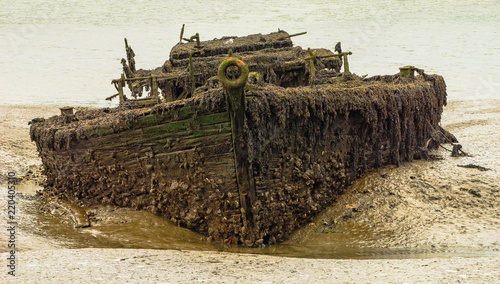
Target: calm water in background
{"type": "Point", "coordinates": [67, 52]}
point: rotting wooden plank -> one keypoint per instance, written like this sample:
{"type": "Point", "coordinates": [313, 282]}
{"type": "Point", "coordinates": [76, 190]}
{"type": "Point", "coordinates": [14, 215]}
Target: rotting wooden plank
{"type": "Point", "coordinates": [141, 141]}
{"type": "Point", "coordinates": [203, 116]}
{"type": "Point", "coordinates": [201, 141]}
{"type": "Point", "coordinates": [207, 131]}
{"type": "Point", "coordinates": [184, 124]}
{"type": "Point", "coordinates": [184, 113]}
{"type": "Point", "coordinates": [215, 130]}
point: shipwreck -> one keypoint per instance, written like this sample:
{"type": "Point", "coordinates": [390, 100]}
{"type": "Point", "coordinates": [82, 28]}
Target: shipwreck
{"type": "Point", "coordinates": [243, 139]}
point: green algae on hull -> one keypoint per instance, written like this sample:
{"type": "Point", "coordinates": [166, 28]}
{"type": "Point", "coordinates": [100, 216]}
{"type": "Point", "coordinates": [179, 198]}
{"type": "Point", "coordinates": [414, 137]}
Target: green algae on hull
{"type": "Point", "coordinates": [297, 147]}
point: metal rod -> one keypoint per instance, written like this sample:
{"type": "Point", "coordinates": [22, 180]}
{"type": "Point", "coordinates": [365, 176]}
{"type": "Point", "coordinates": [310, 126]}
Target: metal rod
{"type": "Point", "coordinates": [333, 55]}
{"type": "Point", "coordinates": [297, 34]}
{"type": "Point", "coordinates": [182, 33]}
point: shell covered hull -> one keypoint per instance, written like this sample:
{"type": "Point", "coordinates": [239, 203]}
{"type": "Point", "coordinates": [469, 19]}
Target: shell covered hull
{"type": "Point", "coordinates": [303, 147]}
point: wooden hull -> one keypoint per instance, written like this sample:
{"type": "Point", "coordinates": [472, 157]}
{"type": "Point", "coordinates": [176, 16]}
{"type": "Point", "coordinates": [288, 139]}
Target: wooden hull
{"type": "Point", "coordinates": [304, 146]}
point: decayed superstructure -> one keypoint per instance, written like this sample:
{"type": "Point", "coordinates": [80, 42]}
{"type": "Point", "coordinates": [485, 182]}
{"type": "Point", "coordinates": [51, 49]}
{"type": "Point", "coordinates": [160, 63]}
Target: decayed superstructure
{"type": "Point", "coordinates": [191, 64]}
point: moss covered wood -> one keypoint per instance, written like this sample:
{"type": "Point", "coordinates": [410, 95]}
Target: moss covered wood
{"type": "Point", "coordinates": [271, 55]}
{"type": "Point", "coordinates": [177, 159]}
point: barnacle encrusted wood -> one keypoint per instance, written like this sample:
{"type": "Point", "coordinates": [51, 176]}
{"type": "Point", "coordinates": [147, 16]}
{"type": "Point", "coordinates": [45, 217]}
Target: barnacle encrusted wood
{"type": "Point", "coordinates": [296, 146]}
{"type": "Point", "coordinates": [175, 159]}
{"type": "Point", "coordinates": [271, 55]}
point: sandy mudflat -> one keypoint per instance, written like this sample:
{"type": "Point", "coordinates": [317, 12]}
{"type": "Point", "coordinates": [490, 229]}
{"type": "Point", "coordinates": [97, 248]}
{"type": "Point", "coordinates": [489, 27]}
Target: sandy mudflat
{"type": "Point", "coordinates": [157, 266]}
{"type": "Point", "coordinates": [17, 152]}
{"type": "Point", "coordinates": [423, 205]}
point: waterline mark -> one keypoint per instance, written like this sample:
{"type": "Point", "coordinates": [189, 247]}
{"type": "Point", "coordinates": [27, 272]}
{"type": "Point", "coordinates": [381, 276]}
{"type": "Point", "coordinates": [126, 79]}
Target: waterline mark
{"type": "Point", "coordinates": [11, 223]}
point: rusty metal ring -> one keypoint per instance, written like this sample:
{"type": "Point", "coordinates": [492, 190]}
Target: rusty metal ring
{"type": "Point", "coordinates": [233, 84]}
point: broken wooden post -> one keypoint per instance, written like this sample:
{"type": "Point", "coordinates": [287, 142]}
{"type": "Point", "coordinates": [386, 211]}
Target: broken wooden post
{"type": "Point", "coordinates": [182, 33]}
{"type": "Point", "coordinates": [197, 37]}
{"type": "Point", "coordinates": [346, 63]}
{"type": "Point", "coordinates": [130, 56]}
{"type": "Point", "coordinates": [312, 67]}
{"type": "Point", "coordinates": [66, 110]}
{"type": "Point", "coordinates": [191, 72]}
{"type": "Point", "coordinates": [407, 71]}
{"type": "Point", "coordinates": [126, 69]}
{"type": "Point", "coordinates": [154, 88]}
{"type": "Point", "coordinates": [121, 84]}
{"type": "Point", "coordinates": [235, 97]}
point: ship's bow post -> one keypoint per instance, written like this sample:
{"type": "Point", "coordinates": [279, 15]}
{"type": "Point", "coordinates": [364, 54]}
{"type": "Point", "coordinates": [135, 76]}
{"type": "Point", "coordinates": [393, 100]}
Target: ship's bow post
{"type": "Point", "coordinates": [235, 98]}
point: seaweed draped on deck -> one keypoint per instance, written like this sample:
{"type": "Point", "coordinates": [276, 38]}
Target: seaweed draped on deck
{"type": "Point", "coordinates": [305, 145]}
{"type": "Point", "coordinates": [272, 55]}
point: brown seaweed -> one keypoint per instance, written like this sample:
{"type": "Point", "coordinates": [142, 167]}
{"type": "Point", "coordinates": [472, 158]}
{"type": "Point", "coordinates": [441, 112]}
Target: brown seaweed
{"type": "Point", "coordinates": [272, 56]}
{"type": "Point", "coordinates": [306, 144]}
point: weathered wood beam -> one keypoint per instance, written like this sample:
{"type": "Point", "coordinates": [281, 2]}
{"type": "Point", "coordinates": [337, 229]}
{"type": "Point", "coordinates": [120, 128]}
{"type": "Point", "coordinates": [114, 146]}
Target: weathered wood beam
{"type": "Point", "coordinates": [235, 97]}
{"type": "Point", "coordinates": [121, 84]}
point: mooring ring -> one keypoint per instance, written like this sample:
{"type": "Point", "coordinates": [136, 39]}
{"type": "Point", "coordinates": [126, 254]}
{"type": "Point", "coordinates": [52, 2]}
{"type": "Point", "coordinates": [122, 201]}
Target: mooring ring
{"type": "Point", "coordinates": [233, 84]}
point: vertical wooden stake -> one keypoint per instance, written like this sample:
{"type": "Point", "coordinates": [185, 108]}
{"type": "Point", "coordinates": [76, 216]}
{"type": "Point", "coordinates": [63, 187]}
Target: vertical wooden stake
{"type": "Point", "coordinates": [191, 71]}
{"type": "Point", "coordinates": [154, 88]}
{"type": "Point", "coordinates": [346, 63]}
{"type": "Point", "coordinates": [312, 66]}
{"type": "Point", "coordinates": [182, 33]}
{"type": "Point", "coordinates": [168, 95]}
{"type": "Point", "coordinates": [121, 84]}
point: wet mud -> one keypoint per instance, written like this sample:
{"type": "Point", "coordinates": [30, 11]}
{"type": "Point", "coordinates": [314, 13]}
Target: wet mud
{"type": "Point", "coordinates": [435, 206]}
